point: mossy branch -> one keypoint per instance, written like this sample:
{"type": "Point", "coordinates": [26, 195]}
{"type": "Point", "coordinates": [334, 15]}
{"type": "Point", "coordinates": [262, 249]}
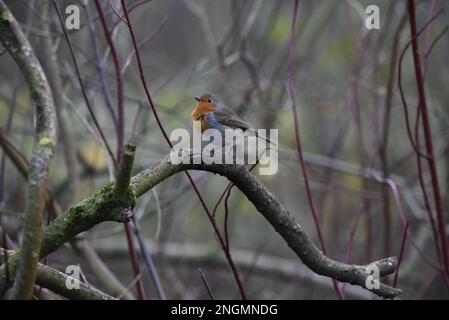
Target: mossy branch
{"type": "Point", "coordinates": [92, 211]}
{"type": "Point", "coordinates": [16, 43]}
{"type": "Point", "coordinates": [108, 204]}
{"type": "Point", "coordinates": [103, 274]}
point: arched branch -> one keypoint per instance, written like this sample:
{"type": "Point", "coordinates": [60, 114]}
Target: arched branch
{"type": "Point", "coordinates": [14, 40]}
{"type": "Point", "coordinates": [91, 212]}
{"type": "Point", "coordinates": [281, 220]}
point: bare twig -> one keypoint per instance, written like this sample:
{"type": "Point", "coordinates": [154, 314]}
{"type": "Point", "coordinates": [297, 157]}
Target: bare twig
{"type": "Point", "coordinates": [428, 136]}
{"type": "Point", "coordinates": [86, 99]}
{"type": "Point", "coordinates": [118, 79]}
{"type": "Point", "coordinates": [149, 262]}
{"type": "Point", "coordinates": [165, 135]}
{"type": "Point", "coordinates": [206, 284]}
{"type": "Point", "coordinates": [291, 89]}
{"type": "Point", "coordinates": [53, 72]}
{"type": "Point", "coordinates": [99, 64]}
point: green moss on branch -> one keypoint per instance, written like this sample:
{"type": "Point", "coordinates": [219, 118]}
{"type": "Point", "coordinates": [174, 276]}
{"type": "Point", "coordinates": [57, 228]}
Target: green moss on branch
{"type": "Point", "coordinates": [101, 206]}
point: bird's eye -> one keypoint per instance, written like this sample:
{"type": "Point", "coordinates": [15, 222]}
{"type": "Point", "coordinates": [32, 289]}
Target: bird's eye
{"type": "Point", "coordinates": [209, 100]}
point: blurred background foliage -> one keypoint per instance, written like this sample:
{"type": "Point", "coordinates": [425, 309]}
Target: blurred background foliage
{"type": "Point", "coordinates": [341, 74]}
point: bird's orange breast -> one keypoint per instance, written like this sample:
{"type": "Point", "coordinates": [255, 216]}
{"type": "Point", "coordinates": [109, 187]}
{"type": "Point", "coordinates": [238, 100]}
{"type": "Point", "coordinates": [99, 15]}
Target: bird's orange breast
{"type": "Point", "coordinates": [200, 112]}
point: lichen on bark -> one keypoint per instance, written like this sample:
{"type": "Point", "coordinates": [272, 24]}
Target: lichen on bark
{"type": "Point", "coordinates": [103, 205]}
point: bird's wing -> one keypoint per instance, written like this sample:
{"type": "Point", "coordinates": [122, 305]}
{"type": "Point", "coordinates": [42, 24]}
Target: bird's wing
{"type": "Point", "coordinates": [228, 118]}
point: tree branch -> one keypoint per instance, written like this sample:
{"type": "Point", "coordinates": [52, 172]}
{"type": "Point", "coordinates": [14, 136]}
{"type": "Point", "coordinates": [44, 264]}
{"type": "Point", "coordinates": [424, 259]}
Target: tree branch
{"type": "Point", "coordinates": [20, 49]}
{"type": "Point", "coordinates": [56, 281]}
{"type": "Point", "coordinates": [125, 171]}
{"type": "Point", "coordinates": [281, 220]}
{"type": "Point", "coordinates": [103, 274]}
{"type": "Point", "coordinates": [100, 207]}
{"type": "Point", "coordinates": [108, 204]}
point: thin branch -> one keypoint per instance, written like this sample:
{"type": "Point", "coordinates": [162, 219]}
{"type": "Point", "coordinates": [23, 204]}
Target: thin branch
{"type": "Point", "coordinates": [149, 262]}
{"type": "Point", "coordinates": [101, 271]}
{"type": "Point", "coordinates": [401, 253]}
{"type": "Point", "coordinates": [118, 79]}
{"type": "Point", "coordinates": [401, 90]}
{"type": "Point", "coordinates": [164, 133]}
{"type": "Point", "coordinates": [119, 72]}
{"type": "Point", "coordinates": [83, 90]}
{"type": "Point", "coordinates": [291, 90]}
{"type": "Point", "coordinates": [53, 73]}
{"type": "Point", "coordinates": [99, 64]}
{"type": "Point", "coordinates": [206, 284]}
{"type": "Point", "coordinates": [14, 154]}
{"type": "Point", "coordinates": [428, 136]}
{"type": "Point", "coordinates": [56, 281]}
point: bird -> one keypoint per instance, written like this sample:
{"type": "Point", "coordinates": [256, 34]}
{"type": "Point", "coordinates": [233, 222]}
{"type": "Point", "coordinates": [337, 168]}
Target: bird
{"type": "Point", "coordinates": [212, 113]}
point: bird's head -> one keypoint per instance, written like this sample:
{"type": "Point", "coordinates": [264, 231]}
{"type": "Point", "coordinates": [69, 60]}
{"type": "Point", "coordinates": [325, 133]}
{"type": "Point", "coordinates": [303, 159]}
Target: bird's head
{"type": "Point", "coordinates": [207, 101]}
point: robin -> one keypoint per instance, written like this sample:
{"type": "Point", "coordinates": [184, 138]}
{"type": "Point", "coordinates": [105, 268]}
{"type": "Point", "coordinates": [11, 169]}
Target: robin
{"type": "Point", "coordinates": [211, 113]}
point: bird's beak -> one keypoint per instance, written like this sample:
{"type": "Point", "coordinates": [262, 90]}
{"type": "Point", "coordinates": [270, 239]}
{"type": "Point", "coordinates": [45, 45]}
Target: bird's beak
{"type": "Point", "coordinates": [197, 99]}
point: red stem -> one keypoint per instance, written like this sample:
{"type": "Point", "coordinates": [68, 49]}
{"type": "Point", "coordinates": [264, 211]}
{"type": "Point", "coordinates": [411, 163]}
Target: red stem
{"type": "Point", "coordinates": [401, 253]}
{"type": "Point", "coordinates": [130, 9]}
{"type": "Point", "coordinates": [119, 81]}
{"type": "Point", "coordinates": [134, 262]}
{"type": "Point", "coordinates": [424, 191]}
{"type": "Point", "coordinates": [226, 217]}
{"type": "Point", "coordinates": [415, 35]}
{"type": "Point", "coordinates": [167, 139]}
{"type": "Point", "coordinates": [214, 211]}
{"type": "Point", "coordinates": [83, 89]}
{"type": "Point", "coordinates": [428, 136]}
{"type": "Point", "coordinates": [121, 139]}
{"type": "Point", "coordinates": [298, 139]}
